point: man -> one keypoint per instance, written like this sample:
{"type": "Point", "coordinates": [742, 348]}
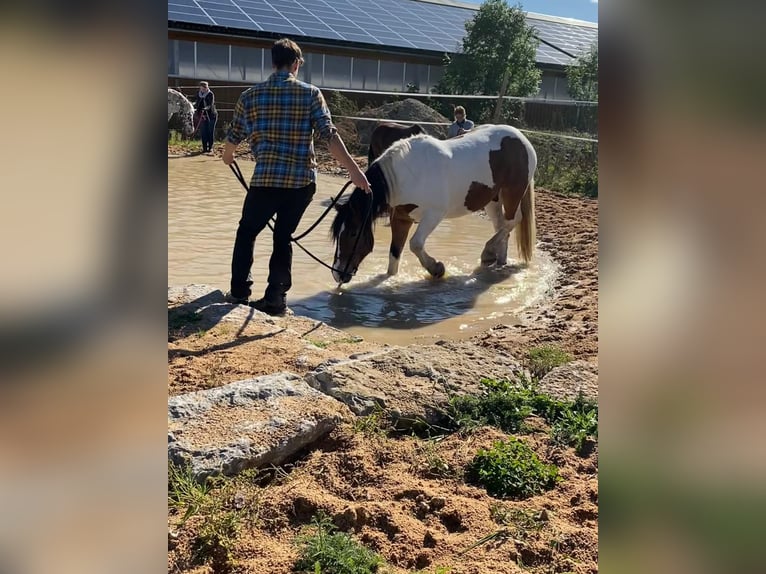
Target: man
{"type": "Point", "coordinates": [206, 116]}
{"type": "Point", "coordinates": [279, 118]}
{"type": "Point", "coordinates": [461, 125]}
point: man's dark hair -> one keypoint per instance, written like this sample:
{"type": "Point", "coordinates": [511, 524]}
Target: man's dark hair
{"type": "Point", "coordinates": [284, 53]}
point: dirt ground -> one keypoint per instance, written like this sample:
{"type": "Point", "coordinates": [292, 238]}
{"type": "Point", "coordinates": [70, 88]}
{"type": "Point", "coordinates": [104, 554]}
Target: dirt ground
{"type": "Point", "coordinates": [383, 489]}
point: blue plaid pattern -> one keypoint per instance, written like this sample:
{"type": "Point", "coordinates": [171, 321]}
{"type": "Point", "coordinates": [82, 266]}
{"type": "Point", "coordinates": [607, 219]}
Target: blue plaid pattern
{"type": "Point", "coordinates": [279, 117]}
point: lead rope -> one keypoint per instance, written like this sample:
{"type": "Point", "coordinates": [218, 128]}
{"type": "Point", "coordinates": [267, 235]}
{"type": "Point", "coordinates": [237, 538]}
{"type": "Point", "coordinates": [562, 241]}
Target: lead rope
{"type": "Point", "coordinates": [238, 174]}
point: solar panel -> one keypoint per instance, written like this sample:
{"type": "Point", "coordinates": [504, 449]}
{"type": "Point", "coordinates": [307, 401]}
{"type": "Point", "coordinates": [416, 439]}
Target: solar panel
{"type": "Point", "coordinates": [395, 23]}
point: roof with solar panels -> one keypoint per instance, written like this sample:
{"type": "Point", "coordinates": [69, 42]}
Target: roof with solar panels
{"type": "Point", "coordinates": [413, 25]}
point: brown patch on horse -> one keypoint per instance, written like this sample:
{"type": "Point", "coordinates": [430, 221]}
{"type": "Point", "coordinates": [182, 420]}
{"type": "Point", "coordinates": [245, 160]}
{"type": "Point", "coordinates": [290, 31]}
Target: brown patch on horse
{"type": "Point", "coordinates": [478, 196]}
{"type": "Point", "coordinates": [401, 222]}
{"type": "Point", "coordinates": [510, 167]}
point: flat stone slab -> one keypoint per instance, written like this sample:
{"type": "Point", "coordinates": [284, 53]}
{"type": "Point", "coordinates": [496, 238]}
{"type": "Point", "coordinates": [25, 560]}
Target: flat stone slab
{"type": "Point", "coordinates": [415, 382]}
{"type": "Point", "coordinates": [248, 424]}
{"type": "Point", "coordinates": [568, 381]}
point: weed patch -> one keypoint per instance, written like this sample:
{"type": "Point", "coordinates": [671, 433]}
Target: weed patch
{"type": "Point", "coordinates": [543, 359]}
{"type": "Point", "coordinates": [577, 426]}
{"type": "Point", "coordinates": [374, 424]}
{"type": "Point", "coordinates": [506, 406]}
{"type": "Point", "coordinates": [511, 469]}
{"type": "Point", "coordinates": [430, 463]}
{"type": "Point", "coordinates": [329, 552]}
{"type": "Point", "coordinates": [216, 540]}
{"type": "Point", "coordinates": [185, 492]}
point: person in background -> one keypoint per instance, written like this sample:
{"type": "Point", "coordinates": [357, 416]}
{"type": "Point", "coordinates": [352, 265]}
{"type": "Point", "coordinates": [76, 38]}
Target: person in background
{"type": "Point", "coordinates": [461, 124]}
{"type": "Point", "coordinates": [279, 118]}
{"type": "Point", "coordinates": [206, 116]}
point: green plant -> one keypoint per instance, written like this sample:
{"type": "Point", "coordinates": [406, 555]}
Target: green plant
{"type": "Point", "coordinates": [333, 552]}
{"type": "Point", "coordinates": [582, 77]}
{"type": "Point", "coordinates": [543, 359]}
{"type": "Point", "coordinates": [340, 105]}
{"type": "Point", "coordinates": [216, 539]}
{"type": "Point", "coordinates": [497, 55]}
{"type": "Point", "coordinates": [523, 521]}
{"type": "Point", "coordinates": [501, 404]}
{"type": "Point", "coordinates": [178, 319]}
{"type": "Point", "coordinates": [577, 425]}
{"type": "Point", "coordinates": [506, 406]}
{"type": "Point", "coordinates": [431, 463]}
{"type": "Point", "coordinates": [374, 424]}
{"type": "Point", "coordinates": [511, 469]}
{"type": "Point", "coordinates": [565, 165]}
{"type": "Point", "coordinates": [184, 491]}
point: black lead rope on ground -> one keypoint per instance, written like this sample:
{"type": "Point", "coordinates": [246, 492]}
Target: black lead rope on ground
{"type": "Point", "coordinates": [238, 174]}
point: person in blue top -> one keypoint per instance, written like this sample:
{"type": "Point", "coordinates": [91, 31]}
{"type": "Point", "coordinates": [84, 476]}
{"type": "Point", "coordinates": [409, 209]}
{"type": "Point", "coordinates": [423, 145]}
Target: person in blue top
{"type": "Point", "coordinates": [460, 125]}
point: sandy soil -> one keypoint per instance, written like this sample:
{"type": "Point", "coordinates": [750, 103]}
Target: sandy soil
{"type": "Point", "coordinates": [383, 490]}
{"type": "Point", "coordinates": [418, 515]}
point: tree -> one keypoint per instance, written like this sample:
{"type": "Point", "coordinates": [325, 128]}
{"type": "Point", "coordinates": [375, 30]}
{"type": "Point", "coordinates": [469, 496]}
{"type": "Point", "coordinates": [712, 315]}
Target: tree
{"type": "Point", "coordinates": [497, 57]}
{"type": "Point", "coordinates": [582, 77]}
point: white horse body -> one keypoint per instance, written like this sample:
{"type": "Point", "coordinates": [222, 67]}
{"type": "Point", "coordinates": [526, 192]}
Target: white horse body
{"type": "Point", "coordinates": [435, 174]}
{"type": "Point", "coordinates": [425, 180]}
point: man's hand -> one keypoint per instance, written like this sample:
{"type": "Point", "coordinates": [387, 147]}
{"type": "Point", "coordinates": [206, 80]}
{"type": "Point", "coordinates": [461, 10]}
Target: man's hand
{"type": "Point", "coordinates": [360, 180]}
{"type": "Point", "coordinates": [228, 153]}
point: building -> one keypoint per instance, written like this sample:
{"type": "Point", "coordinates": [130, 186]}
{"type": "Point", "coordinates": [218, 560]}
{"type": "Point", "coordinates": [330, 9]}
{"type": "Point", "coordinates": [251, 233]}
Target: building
{"type": "Point", "coordinates": [386, 45]}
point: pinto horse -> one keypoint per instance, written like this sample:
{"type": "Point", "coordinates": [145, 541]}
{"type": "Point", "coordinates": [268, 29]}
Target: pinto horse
{"type": "Point", "coordinates": [385, 134]}
{"type": "Point", "coordinates": [178, 104]}
{"type": "Point", "coordinates": [425, 179]}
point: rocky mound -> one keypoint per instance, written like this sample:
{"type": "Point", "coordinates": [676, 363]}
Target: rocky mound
{"type": "Point", "coordinates": [409, 110]}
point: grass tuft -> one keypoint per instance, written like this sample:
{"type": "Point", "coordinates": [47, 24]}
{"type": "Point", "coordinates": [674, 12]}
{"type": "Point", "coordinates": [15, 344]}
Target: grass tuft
{"type": "Point", "coordinates": [330, 552]}
{"type": "Point", "coordinates": [185, 492]}
{"type": "Point", "coordinates": [543, 359]}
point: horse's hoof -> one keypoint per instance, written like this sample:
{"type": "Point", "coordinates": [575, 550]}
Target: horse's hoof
{"type": "Point", "coordinates": [438, 271]}
{"type": "Point", "coordinates": [488, 258]}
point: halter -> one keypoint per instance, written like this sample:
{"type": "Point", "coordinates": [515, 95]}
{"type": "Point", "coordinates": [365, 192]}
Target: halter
{"type": "Point", "coordinates": [238, 174]}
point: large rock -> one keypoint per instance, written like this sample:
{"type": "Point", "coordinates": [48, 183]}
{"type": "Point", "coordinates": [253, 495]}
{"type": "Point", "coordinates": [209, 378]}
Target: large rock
{"type": "Point", "coordinates": [568, 381]}
{"type": "Point", "coordinates": [248, 424]}
{"type": "Point", "coordinates": [412, 383]}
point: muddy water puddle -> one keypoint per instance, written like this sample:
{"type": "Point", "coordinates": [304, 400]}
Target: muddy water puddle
{"type": "Point", "coordinates": [204, 206]}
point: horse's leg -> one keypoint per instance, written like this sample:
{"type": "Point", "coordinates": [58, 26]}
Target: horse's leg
{"type": "Point", "coordinates": [494, 247]}
{"type": "Point", "coordinates": [507, 217]}
{"type": "Point", "coordinates": [427, 224]}
{"type": "Point", "coordinates": [401, 222]}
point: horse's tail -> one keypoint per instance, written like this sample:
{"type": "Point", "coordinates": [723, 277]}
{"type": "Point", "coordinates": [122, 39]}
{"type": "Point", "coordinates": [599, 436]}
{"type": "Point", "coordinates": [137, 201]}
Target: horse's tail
{"type": "Point", "coordinates": [370, 157]}
{"type": "Point", "coordinates": [526, 230]}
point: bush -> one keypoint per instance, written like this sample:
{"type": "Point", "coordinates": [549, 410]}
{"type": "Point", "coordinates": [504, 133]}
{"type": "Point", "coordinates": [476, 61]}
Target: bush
{"type": "Point", "coordinates": [512, 470]}
{"type": "Point", "coordinates": [340, 105]}
{"type": "Point", "coordinates": [566, 166]}
{"type": "Point", "coordinates": [332, 552]}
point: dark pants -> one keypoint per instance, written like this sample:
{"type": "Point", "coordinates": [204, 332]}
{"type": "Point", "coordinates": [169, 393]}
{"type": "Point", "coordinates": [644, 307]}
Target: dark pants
{"type": "Point", "coordinates": [261, 203]}
{"type": "Point", "coordinates": [207, 131]}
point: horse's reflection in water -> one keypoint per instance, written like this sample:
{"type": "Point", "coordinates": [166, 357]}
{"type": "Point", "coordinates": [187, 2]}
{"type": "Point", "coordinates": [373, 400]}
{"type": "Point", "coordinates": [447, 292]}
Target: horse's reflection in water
{"type": "Point", "coordinates": [378, 303]}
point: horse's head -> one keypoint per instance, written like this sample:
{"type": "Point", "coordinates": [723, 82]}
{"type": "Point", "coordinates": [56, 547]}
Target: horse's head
{"type": "Point", "coordinates": [415, 130]}
{"type": "Point", "coordinates": [352, 234]}
{"type": "Point", "coordinates": [187, 117]}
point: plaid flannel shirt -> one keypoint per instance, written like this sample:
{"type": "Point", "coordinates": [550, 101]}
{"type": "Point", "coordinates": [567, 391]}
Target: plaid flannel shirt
{"type": "Point", "coordinates": [279, 117]}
